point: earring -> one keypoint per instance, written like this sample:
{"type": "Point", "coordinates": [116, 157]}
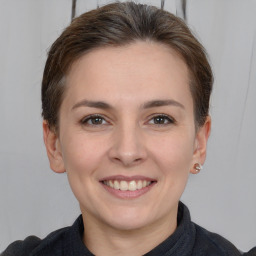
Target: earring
{"type": "Point", "coordinates": [198, 167]}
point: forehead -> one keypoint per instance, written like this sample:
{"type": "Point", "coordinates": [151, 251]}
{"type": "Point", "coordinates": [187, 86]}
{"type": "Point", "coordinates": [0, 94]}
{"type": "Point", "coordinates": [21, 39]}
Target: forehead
{"type": "Point", "coordinates": [138, 69]}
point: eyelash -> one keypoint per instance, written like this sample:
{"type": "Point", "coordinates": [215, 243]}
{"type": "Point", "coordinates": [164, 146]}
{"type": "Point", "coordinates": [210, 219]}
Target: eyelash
{"type": "Point", "coordinates": [85, 121]}
{"type": "Point", "coordinates": [169, 119]}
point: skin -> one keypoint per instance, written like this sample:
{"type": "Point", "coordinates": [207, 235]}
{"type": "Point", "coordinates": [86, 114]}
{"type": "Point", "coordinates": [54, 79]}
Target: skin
{"type": "Point", "coordinates": [128, 139]}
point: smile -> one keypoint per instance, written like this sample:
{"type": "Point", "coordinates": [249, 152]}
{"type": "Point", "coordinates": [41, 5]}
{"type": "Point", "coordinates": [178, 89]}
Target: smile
{"type": "Point", "coordinates": [127, 185]}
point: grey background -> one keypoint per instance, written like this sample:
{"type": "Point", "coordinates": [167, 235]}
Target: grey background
{"type": "Point", "coordinates": [34, 200]}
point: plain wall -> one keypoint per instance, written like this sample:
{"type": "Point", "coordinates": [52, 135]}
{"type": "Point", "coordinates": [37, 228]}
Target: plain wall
{"type": "Point", "coordinates": [34, 200]}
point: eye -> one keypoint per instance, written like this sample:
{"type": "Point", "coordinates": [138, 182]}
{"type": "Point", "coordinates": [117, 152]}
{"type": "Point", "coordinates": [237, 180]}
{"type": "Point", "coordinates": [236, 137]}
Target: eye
{"type": "Point", "coordinates": [94, 120]}
{"type": "Point", "coordinates": [162, 120]}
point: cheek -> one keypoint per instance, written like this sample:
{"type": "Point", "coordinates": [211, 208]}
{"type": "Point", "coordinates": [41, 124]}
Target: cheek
{"type": "Point", "coordinates": [173, 158]}
{"type": "Point", "coordinates": [174, 154]}
{"type": "Point", "coordinates": [81, 154]}
{"type": "Point", "coordinates": [82, 157]}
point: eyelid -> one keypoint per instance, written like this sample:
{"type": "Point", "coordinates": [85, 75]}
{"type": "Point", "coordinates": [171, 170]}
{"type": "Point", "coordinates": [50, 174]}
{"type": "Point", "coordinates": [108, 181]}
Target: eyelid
{"type": "Point", "coordinates": [85, 119]}
{"type": "Point", "coordinates": [168, 117]}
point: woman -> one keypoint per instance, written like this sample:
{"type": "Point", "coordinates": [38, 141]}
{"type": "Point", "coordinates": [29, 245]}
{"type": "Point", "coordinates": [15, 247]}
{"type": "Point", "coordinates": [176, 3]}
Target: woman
{"type": "Point", "coordinates": [125, 98]}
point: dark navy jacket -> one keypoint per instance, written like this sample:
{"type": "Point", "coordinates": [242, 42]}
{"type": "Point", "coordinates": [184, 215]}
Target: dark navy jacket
{"type": "Point", "coordinates": [189, 239]}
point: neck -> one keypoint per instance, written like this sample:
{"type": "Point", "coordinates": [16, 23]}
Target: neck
{"type": "Point", "coordinates": [102, 239]}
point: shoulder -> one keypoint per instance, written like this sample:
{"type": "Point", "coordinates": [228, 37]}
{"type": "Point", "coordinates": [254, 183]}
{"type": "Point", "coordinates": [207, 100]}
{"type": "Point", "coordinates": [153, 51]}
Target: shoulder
{"type": "Point", "coordinates": [22, 247]}
{"type": "Point", "coordinates": [211, 244]}
{"type": "Point", "coordinates": [32, 244]}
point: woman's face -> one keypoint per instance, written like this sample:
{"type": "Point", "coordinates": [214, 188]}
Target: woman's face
{"type": "Point", "coordinates": [127, 136]}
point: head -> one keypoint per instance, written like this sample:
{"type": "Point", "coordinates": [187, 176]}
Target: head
{"type": "Point", "coordinates": [125, 98]}
{"type": "Point", "coordinates": [121, 24]}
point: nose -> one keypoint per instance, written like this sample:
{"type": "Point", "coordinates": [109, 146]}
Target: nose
{"type": "Point", "coordinates": [128, 146]}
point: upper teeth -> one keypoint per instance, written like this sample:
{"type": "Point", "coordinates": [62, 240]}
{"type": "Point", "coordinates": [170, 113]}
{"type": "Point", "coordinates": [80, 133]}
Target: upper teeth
{"type": "Point", "coordinates": [124, 185]}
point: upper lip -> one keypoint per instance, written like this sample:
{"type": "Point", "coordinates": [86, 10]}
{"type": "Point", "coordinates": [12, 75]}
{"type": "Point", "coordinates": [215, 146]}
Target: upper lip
{"type": "Point", "coordinates": [127, 178]}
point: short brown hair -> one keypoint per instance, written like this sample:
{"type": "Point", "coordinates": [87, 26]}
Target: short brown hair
{"type": "Point", "coordinates": [120, 24]}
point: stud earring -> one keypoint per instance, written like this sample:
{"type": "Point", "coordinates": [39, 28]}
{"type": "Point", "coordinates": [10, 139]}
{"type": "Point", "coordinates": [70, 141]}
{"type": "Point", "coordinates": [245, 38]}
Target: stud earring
{"type": "Point", "coordinates": [198, 167]}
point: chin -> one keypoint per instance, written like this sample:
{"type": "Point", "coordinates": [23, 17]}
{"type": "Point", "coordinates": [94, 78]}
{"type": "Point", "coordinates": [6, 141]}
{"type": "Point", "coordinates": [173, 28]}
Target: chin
{"type": "Point", "coordinates": [129, 219]}
{"type": "Point", "coordinates": [128, 224]}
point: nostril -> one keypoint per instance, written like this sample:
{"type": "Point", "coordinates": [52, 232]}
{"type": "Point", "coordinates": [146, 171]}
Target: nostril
{"type": "Point", "coordinates": [126, 153]}
{"type": "Point", "coordinates": [127, 161]}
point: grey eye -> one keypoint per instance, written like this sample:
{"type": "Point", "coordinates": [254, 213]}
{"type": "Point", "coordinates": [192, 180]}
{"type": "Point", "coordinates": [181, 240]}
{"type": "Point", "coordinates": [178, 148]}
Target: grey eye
{"type": "Point", "coordinates": [161, 119]}
{"type": "Point", "coordinates": [94, 120]}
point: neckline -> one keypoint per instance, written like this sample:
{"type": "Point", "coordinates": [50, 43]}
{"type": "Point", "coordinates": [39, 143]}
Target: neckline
{"type": "Point", "coordinates": [179, 243]}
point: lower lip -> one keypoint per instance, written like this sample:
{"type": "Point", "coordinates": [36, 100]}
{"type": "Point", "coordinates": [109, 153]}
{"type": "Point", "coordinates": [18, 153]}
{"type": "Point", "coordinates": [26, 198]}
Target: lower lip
{"type": "Point", "coordinates": [127, 194]}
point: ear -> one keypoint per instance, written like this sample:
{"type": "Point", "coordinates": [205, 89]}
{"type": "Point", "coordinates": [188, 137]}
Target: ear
{"type": "Point", "coordinates": [201, 139]}
{"type": "Point", "coordinates": [53, 149]}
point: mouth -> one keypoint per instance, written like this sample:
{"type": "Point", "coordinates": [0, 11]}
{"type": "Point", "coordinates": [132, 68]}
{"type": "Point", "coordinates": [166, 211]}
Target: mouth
{"type": "Point", "coordinates": [128, 187]}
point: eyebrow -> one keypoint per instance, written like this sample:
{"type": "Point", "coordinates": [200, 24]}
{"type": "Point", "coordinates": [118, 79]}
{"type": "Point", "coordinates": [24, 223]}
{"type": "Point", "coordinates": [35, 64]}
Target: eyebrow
{"type": "Point", "coordinates": [149, 104]}
{"type": "Point", "coordinates": [92, 104]}
{"type": "Point", "coordinates": [160, 103]}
